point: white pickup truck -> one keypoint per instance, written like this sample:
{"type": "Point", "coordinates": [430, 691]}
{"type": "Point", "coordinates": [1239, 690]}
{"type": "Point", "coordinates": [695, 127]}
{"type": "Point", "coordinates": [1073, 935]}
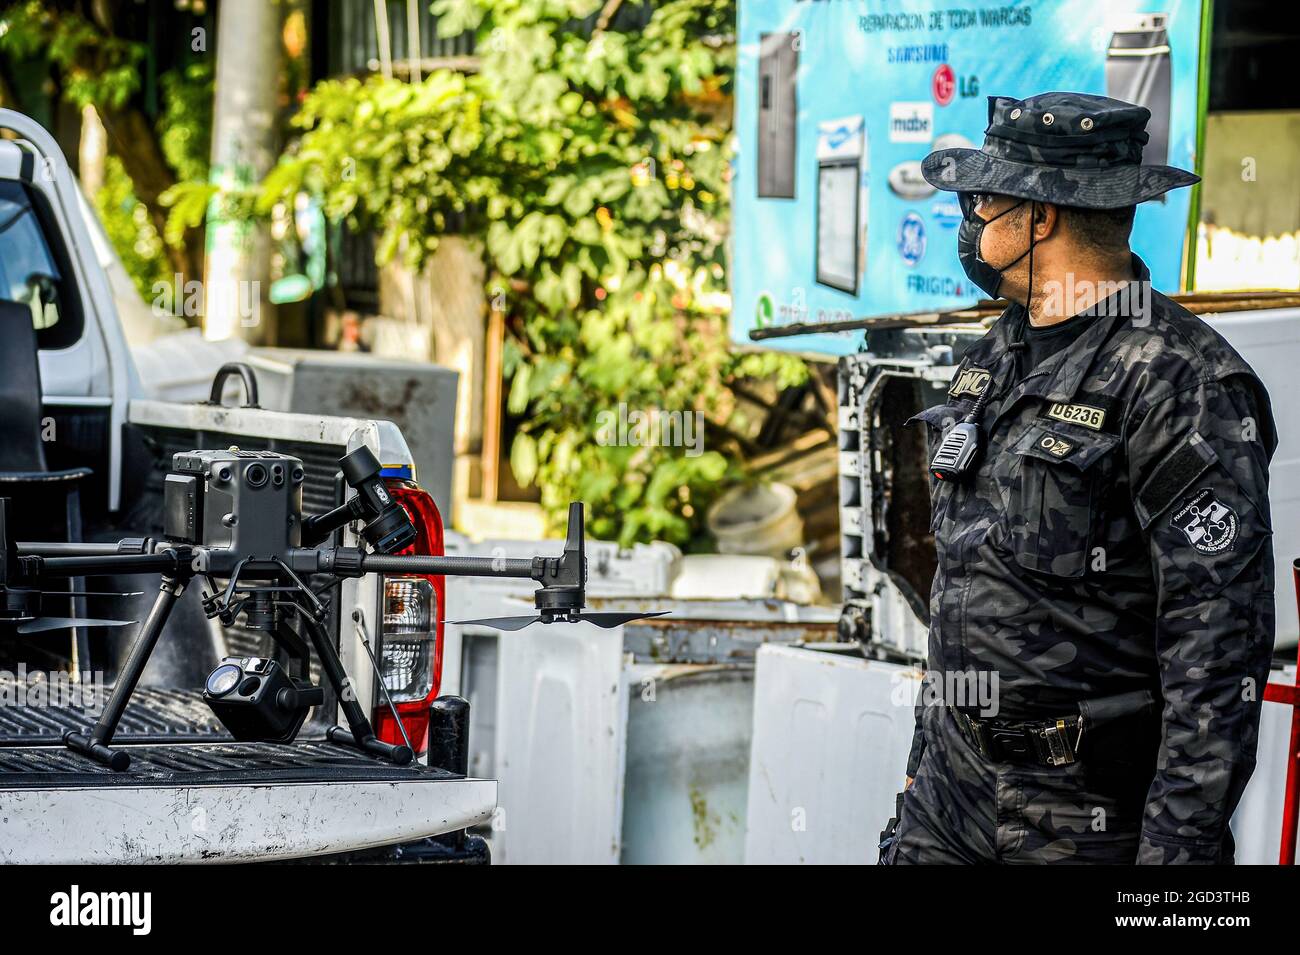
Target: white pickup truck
{"type": "Point", "coordinates": [83, 457]}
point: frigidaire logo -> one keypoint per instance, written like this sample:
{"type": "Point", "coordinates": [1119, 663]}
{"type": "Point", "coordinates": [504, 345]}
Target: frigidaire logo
{"type": "Point", "coordinates": [103, 908]}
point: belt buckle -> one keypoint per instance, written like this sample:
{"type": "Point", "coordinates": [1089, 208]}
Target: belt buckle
{"type": "Point", "coordinates": [1060, 751]}
{"type": "Point", "coordinates": [1009, 744]}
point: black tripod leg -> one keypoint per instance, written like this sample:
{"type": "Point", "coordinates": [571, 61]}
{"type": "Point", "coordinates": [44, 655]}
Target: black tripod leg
{"type": "Point", "coordinates": [362, 735]}
{"type": "Point", "coordinates": [96, 746]}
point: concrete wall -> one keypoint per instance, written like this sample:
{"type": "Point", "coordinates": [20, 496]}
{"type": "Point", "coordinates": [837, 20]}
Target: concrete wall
{"type": "Point", "coordinates": [1249, 236]}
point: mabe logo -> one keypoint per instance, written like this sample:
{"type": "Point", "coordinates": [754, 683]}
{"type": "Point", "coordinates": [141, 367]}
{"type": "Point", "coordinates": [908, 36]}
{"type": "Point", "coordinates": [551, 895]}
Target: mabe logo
{"type": "Point", "coordinates": [911, 122]}
{"type": "Point", "coordinates": [103, 908]}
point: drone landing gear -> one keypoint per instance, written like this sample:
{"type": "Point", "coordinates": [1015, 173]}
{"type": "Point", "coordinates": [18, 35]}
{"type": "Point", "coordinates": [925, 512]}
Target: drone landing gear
{"type": "Point", "coordinates": [362, 735]}
{"type": "Point", "coordinates": [97, 745]}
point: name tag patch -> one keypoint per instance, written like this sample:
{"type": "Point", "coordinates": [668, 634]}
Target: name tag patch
{"type": "Point", "coordinates": [970, 381]}
{"type": "Point", "coordinates": [1087, 415]}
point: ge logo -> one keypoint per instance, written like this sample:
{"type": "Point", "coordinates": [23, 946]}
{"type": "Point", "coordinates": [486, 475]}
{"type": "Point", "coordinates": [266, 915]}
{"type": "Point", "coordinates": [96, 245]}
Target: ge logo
{"type": "Point", "coordinates": [911, 239]}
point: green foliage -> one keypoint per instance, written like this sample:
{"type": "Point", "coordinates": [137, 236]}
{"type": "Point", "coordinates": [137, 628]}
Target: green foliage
{"type": "Point", "coordinates": [185, 135]}
{"type": "Point", "coordinates": [592, 156]}
{"type": "Point", "coordinates": [126, 222]}
{"type": "Point", "coordinates": [96, 69]}
{"type": "Point", "coordinates": [185, 126]}
{"type": "Point", "coordinates": [394, 156]}
{"type": "Point", "coordinates": [104, 71]}
{"type": "Point", "coordinates": [187, 205]}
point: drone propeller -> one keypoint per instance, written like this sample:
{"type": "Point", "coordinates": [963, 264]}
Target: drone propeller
{"type": "Point", "coordinates": [91, 593]}
{"type": "Point", "coordinates": [42, 624]}
{"type": "Point", "coordinates": [23, 605]}
{"type": "Point", "coordinates": [607, 621]}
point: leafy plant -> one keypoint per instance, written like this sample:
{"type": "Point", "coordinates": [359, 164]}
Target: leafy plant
{"type": "Point", "coordinates": [92, 66]}
{"type": "Point", "coordinates": [590, 150]}
{"type": "Point", "coordinates": [96, 69]}
{"type": "Point", "coordinates": [126, 222]}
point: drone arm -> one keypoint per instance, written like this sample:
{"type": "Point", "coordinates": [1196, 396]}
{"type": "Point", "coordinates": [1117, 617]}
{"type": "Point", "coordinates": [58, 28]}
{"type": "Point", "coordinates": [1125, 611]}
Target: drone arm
{"type": "Point", "coordinates": [64, 549]}
{"type": "Point", "coordinates": [166, 562]}
{"type": "Point", "coordinates": [563, 578]}
{"type": "Point", "coordinates": [453, 566]}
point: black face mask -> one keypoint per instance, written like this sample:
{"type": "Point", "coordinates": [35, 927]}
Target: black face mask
{"type": "Point", "coordinates": [969, 233]}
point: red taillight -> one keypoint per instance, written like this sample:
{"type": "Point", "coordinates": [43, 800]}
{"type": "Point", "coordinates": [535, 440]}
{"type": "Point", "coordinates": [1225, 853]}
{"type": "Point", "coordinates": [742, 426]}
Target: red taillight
{"type": "Point", "coordinates": [410, 651]}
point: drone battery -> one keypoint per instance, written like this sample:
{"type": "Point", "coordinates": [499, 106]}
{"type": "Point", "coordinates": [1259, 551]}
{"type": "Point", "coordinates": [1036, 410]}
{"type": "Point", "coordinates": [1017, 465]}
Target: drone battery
{"type": "Point", "coordinates": [183, 507]}
{"type": "Point", "coordinates": [257, 701]}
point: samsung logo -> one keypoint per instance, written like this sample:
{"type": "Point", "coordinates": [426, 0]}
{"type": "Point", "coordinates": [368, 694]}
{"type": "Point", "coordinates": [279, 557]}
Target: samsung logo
{"type": "Point", "coordinates": [918, 53]}
{"type": "Point", "coordinates": [134, 909]}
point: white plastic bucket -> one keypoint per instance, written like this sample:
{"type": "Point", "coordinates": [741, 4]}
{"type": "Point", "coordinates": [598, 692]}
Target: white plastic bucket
{"type": "Point", "coordinates": [757, 519]}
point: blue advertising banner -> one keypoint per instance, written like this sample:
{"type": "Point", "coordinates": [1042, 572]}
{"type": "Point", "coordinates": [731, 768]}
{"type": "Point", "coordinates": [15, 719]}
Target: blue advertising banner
{"type": "Point", "coordinates": [837, 101]}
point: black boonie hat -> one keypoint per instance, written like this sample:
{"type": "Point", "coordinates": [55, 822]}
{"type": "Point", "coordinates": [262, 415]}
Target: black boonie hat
{"type": "Point", "coordinates": [1069, 149]}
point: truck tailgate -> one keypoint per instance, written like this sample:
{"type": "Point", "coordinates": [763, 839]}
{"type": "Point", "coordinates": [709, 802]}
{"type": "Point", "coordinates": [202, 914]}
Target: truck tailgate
{"type": "Point", "coordinates": [222, 802]}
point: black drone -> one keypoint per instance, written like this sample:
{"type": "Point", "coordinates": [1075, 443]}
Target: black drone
{"type": "Point", "coordinates": [236, 516]}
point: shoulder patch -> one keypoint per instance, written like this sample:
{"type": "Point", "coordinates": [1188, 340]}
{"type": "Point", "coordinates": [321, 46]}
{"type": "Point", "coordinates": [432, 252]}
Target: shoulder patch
{"type": "Point", "coordinates": [970, 381]}
{"type": "Point", "coordinates": [1209, 523]}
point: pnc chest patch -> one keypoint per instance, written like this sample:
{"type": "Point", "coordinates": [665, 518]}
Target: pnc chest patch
{"type": "Point", "coordinates": [1210, 524]}
{"type": "Point", "coordinates": [970, 381]}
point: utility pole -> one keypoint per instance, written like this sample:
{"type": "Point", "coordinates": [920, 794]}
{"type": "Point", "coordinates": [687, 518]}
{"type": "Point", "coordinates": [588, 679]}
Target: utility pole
{"type": "Point", "coordinates": [245, 143]}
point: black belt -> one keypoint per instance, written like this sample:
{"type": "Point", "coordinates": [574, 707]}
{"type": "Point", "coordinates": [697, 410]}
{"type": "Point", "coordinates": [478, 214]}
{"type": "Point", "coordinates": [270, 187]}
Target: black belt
{"type": "Point", "coordinates": [1047, 743]}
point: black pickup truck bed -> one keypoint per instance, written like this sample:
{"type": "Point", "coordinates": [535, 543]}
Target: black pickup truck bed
{"type": "Point", "coordinates": [205, 764]}
{"type": "Point", "coordinates": [156, 720]}
{"type": "Point", "coordinates": [155, 714]}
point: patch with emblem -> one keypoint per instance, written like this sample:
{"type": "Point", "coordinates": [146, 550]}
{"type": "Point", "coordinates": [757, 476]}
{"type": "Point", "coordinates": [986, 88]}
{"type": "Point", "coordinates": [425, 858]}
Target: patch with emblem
{"type": "Point", "coordinates": [1210, 525]}
{"type": "Point", "coordinates": [1058, 447]}
{"type": "Point", "coordinates": [1086, 415]}
{"type": "Point", "coordinates": [970, 381]}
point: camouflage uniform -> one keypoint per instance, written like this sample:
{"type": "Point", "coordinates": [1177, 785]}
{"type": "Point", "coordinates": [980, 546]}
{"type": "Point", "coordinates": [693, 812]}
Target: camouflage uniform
{"type": "Point", "coordinates": [1115, 537]}
{"type": "Point", "coordinates": [1112, 545]}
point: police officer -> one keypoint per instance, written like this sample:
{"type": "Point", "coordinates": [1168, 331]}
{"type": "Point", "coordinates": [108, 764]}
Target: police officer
{"type": "Point", "coordinates": [1105, 563]}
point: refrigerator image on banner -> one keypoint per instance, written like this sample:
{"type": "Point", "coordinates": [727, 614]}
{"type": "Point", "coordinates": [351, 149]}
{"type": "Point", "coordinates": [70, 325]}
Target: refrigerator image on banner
{"type": "Point", "coordinates": [1138, 71]}
{"type": "Point", "coordinates": [778, 63]}
{"type": "Point", "coordinates": [841, 203]}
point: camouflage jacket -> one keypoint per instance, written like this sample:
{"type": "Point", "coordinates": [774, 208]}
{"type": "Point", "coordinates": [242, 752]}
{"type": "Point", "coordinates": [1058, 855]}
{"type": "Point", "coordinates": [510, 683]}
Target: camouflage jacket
{"type": "Point", "coordinates": [1116, 536]}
